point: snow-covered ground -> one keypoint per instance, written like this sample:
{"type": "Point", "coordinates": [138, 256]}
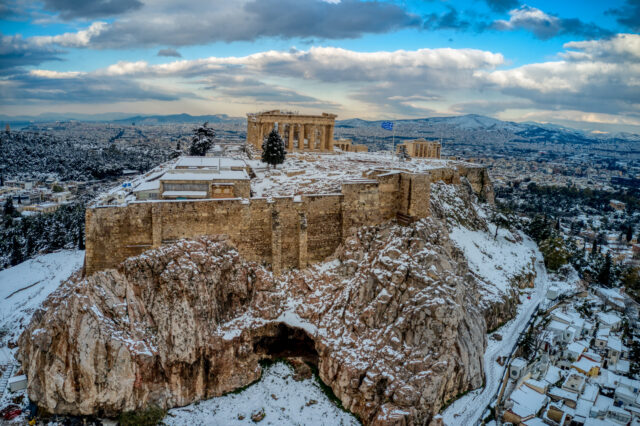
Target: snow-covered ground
{"type": "Point", "coordinates": [283, 400]}
{"type": "Point", "coordinates": [311, 173]}
{"type": "Point", "coordinates": [469, 409]}
{"type": "Point", "coordinates": [496, 260]}
{"type": "Point", "coordinates": [25, 286]}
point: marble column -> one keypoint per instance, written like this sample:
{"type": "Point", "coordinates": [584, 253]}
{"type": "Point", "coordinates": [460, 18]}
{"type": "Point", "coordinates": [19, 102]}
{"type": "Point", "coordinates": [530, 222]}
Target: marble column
{"type": "Point", "coordinates": [323, 139]}
{"type": "Point", "coordinates": [313, 140]}
{"type": "Point", "coordinates": [290, 144]}
{"type": "Point", "coordinates": [301, 138]}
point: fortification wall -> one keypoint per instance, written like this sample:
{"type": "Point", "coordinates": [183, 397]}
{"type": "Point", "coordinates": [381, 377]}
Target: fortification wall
{"type": "Point", "coordinates": [284, 232]}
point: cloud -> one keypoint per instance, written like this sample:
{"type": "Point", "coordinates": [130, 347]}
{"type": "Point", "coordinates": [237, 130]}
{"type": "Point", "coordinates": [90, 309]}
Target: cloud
{"type": "Point", "coordinates": [502, 5]}
{"type": "Point", "coordinates": [244, 89]}
{"type": "Point", "coordinates": [545, 26]}
{"type": "Point", "coordinates": [438, 68]}
{"type": "Point", "coordinates": [81, 38]}
{"type": "Point", "coordinates": [207, 21]}
{"type": "Point", "coordinates": [70, 9]}
{"type": "Point", "coordinates": [600, 76]}
{"type": "Point", "coordinates": [169, 52]}
{"type": "Point", "coordinates": [17, 52]}
{"type": "Point", "coordinates": [78, 87]}
{"type": "Point", "coordinates": [628, 15]}
{"type": "Point", "coordinates": [449, 20]}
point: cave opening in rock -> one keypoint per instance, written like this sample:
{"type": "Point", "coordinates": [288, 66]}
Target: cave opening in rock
{"type": "Point", "coordinates": [283, 341]}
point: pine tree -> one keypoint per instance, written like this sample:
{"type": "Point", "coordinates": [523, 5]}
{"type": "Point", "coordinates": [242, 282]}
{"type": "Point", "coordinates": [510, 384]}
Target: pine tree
{"type": "Point", "coordinates": [273, 152]}
{"type": "Point", "coordinates": [202, 140]}
{"type": "Point", "coordinates": [16, 251]}
{"type": "Point", "coordinates": [629, 235]}
{"type": "Point", "coordinates": [9, 209]}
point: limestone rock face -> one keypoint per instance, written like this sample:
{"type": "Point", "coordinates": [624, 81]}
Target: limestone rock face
{"type": "Point", "coordinates": [392, 320]}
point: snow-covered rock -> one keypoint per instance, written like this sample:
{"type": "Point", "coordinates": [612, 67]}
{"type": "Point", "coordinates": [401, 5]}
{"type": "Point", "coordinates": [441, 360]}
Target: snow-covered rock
{"type": "Point", "coordinates": [395, 321]}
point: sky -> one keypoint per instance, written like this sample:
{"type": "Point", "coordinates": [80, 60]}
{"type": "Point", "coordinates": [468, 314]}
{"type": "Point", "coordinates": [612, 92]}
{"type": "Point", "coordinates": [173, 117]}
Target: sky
{"type": "Point", "coordinates": [572, 63]}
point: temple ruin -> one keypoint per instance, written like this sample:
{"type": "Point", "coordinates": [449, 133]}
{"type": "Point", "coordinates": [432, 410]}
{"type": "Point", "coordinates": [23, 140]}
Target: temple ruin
{"type": "Point", "coordinates": [300, 132]}
{"type": "Point", "coordinates": [421, 148]}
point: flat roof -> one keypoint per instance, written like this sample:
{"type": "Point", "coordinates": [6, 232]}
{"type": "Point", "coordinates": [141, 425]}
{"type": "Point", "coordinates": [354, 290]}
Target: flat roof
{"type": "Point", "coordinates": [196, 194]}
{"type": "Point", "coordinates": [208, 176]}
{"type": "Point", "coordinates": [209, 162]}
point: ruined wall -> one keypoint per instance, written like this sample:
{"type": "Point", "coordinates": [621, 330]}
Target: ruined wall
{"type": "Point", "coordinates": [285, 232]}
{"type": "Point", "coordinates": [324, 225]}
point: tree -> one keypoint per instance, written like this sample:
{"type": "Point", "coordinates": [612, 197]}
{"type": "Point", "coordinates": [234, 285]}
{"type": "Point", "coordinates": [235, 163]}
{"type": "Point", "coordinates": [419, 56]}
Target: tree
{"type": "Point", "coordinates": [629, 235]}
{"type": "Point", "coordinates": [635, 357]}
{"type": "Point", "coordinates": [9, 209]}
{"type": "Point", "coordinates": [403, 155]}
{"type": "Point", "coordinates": [604, 275]}
{"type": "Point", "coordinates": [554, 252]}
{"type": "Point", "coordinates": [81, 238]}
{"type": "Point", "coordinates": [202, 140]}
{"type": "Point", "coordinates": [273, 152]}
{"type": "Point", "coordinates": [16, 251]}
{"type": "Point", "coordinates": [500, 220]}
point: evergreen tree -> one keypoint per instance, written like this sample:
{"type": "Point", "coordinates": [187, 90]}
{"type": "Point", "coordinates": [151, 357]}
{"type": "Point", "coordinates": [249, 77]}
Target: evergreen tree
{"type": "Point", "coordinates": [527, 345]}
{"type": "Point", "coordinates": [554, 252]}
{"type": "Point", "coordinates": [81, 238]}
{"type": "Point", "coordinates": [202, 140]}
{"type": "Point", "coordinates": [539, 228]}
{"type": "Point", "coordinates": [273, 152]}
{"type": "Point", "coordinates": [16, 251]}
{"type": "Point", "coordinates": [604, 276]}
{"type": "Point", "coordinates": [629, 235]}
{"type": "Point", "coordinates": [634, 368]}
{"type": "Point", "coordinates": [9, 209]}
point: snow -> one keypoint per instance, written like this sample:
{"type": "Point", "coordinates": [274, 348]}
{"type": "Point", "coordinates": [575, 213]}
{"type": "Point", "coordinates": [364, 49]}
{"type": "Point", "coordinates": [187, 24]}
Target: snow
{"type": "Point", "coordinates": [527, 402]}
{"type": "Point", "coordinates": [25, 286]}
{"type": "Point", "coordinates": [204, 176]}
{"type": "Point", "coordinates": [495, 260]}
{"type": "Point", "coordinates": [469, 409]}
{"type": "Point", "coordinates": [284, 401]}
{"type": "Point", "coordinates": [325, 173]}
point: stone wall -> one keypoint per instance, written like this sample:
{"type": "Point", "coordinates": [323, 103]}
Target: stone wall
{"type": "Point", "coordinates": [285, 232]}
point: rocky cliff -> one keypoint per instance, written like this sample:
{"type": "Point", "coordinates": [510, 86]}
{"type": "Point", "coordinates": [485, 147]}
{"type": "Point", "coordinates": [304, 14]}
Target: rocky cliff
{"type": "Point", "coordinates": [395, 320]}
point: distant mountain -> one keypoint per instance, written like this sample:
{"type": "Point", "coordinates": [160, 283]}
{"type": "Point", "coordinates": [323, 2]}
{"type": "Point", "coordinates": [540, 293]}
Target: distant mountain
{"type": "Point", "coordinates": [179, 118]}
{"type": "Point", "coordinates": [52, 116]}
{"type": "Point", "coordinates": [479, 127]}
{"type": "Point", "coordinates": [117, 117]}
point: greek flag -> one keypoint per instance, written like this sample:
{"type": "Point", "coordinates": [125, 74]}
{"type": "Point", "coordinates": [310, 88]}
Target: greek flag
{"type": "Point", "coordinates": [387, 125]}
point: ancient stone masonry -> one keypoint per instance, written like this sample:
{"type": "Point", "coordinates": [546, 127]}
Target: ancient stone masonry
{"type": "Point", "coordinates": [285, 232]}
{"type": "Point", "coordinates": [421, 148]}
{"type": "Point", "coordinates": [299, 132]}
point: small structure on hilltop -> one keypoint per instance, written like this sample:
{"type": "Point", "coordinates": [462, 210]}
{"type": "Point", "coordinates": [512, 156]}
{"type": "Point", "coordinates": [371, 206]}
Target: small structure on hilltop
{"type": "Point", "coordinates": [347, 145]}
{"type": "Point", "coordinates": [198, 178]}
{"type": "Point", "coordinates": [299, 132]}
{"type": "Point", "coordinates": [421, 148]}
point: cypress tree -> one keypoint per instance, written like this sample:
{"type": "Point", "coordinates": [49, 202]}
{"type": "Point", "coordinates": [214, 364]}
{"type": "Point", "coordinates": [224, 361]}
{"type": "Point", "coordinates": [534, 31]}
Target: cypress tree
{"type": "Point", "coordinates": [604, 276]}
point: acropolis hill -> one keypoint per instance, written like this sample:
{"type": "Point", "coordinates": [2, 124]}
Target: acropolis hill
{"type": "Point", "coordinates": [286, 217]}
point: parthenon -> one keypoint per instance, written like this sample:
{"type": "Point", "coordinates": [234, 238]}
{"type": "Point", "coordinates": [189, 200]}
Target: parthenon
{"type": "Point", "coordinates": [299, 132]}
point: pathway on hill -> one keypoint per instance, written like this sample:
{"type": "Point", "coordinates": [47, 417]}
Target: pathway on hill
{"type": "Point", "coordinates": [469, 409]}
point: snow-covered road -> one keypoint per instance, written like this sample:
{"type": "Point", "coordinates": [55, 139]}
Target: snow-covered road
{"type": "Point", "coordinates": [468, 410]}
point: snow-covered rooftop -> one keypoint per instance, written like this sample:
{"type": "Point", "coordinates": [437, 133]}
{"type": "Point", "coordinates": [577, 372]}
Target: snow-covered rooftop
{"type": "Point", "coordinates": [526, 401]}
